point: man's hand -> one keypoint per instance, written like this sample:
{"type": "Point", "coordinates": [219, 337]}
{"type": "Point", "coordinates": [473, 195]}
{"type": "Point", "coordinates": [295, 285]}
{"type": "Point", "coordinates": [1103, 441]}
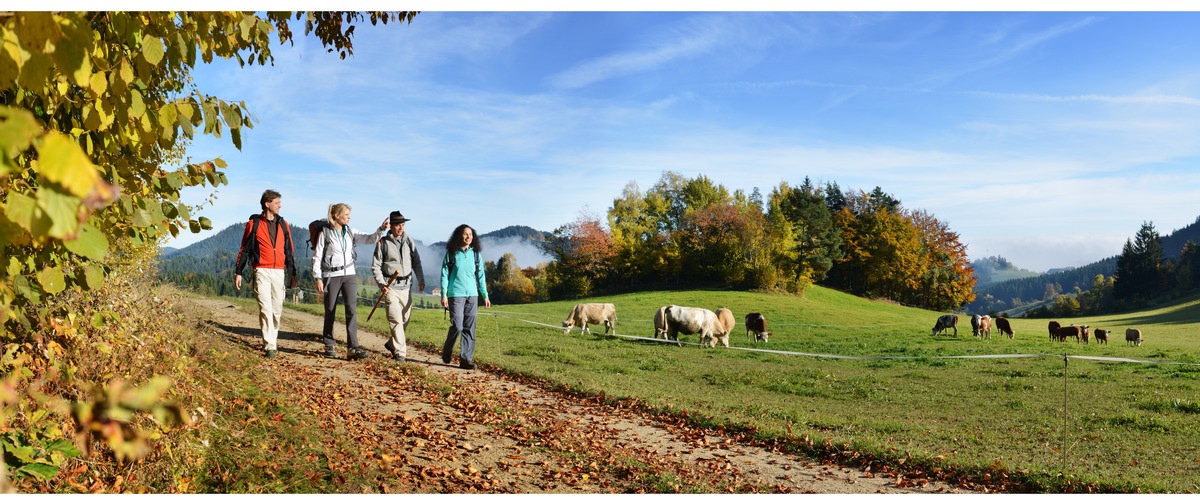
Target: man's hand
{"type": "Point", "coordinates": [320, 288]}
{"type": "Point", "coordinates": [237, 282]}
{"type": "Point", "coordinates": [445, 303]}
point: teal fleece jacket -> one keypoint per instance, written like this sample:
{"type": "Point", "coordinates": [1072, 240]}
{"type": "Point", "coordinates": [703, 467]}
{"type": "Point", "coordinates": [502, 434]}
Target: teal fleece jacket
{"type": "Point", "coordinates": [466, 280]}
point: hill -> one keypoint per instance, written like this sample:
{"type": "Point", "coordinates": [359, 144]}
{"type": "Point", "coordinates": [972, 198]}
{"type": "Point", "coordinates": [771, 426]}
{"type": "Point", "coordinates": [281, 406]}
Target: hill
{"type": "Point", "coordinates": [1004, 295]}
{"type": "Point", "coordinates": [997, 269]}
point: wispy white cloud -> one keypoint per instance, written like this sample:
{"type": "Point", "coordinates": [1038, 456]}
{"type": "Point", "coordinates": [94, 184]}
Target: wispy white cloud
{"type": "Point", "coordinates": [686, 42]}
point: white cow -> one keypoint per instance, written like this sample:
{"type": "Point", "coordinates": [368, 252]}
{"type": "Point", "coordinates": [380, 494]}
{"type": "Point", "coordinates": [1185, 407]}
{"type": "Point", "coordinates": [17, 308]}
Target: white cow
{"type": "Point", "coordinates": [660, 323]}
{"type": "Point", "coordinates": [686, 320]}
{"type": "Point", "coordinates": [591, 313]}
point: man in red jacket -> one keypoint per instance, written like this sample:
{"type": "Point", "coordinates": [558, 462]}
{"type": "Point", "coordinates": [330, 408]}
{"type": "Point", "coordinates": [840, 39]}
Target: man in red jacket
{"type": "Point", "coordinates": [267, 247]}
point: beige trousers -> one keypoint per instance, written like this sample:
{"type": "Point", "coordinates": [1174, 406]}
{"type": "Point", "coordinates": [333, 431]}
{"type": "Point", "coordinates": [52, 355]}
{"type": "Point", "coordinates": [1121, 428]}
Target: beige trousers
{"type": "Point", "coordinates": [268, 288]}
{"type": "Point", "coordinates": [399, 312]}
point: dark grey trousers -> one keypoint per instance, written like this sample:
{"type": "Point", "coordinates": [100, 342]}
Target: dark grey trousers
{"type": "Point", "coordinates": [462, 321]}
{"type": "Point", "coordinates": [347, 286]}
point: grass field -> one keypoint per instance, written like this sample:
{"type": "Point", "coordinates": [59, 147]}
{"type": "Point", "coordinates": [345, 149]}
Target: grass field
{"type": "Point", "coordinates": [1128, 426]}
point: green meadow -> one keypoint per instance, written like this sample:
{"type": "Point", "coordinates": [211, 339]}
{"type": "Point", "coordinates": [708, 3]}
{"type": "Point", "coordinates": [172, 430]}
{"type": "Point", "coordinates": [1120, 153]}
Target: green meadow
{"type": "Point", "coordinates": [916, 400]}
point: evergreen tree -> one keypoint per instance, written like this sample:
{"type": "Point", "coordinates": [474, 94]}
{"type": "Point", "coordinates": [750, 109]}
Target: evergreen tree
{"type": "Point", "coordinates": [1141, 267]}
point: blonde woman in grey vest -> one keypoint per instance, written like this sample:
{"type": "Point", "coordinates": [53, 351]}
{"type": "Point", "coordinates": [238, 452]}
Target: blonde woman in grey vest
{"type": "Point", "coordinates": [333, 267]}
{"type": "Point", "coordinates": [396, 266]}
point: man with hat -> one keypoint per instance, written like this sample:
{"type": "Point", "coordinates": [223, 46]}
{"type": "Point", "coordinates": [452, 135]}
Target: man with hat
{"type": "Point", "coordinates": [394, 264]}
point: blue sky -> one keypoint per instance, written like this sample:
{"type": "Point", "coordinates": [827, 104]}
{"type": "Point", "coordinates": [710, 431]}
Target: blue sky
{"type": "Point", "coordinates": [1046, 138]}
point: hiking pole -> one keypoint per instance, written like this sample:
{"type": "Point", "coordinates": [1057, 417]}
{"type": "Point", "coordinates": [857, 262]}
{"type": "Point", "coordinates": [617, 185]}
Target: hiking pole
{"type": "Point", "coordinates": [381, 294]}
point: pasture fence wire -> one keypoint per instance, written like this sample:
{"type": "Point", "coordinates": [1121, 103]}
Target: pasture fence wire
{"type": "Point", "coordinates": [1064, 447]}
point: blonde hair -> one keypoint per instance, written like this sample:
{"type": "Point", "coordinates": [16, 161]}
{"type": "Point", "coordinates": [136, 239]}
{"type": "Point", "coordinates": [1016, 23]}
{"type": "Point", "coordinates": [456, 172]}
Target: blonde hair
{"type": "Point", "coordinates": [335, 210]}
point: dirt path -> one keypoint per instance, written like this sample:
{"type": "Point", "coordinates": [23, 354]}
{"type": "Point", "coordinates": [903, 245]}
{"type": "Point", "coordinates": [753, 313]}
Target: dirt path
{"type": "Point", "coordinates": [491, 434]}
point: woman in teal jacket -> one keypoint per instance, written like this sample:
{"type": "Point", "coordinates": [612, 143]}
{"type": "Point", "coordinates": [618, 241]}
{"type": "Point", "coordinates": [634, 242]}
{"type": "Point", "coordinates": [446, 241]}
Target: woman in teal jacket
{"type": "Point", "coordinates": [463, 285]}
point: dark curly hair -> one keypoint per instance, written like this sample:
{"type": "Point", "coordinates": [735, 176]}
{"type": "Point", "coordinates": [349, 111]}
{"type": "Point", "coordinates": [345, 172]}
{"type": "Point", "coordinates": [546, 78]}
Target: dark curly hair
{"type": "Point", "coordinates": [455, 243]}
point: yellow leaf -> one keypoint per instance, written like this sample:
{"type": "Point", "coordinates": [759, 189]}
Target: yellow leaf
{"type": "Point", "coordinates": [63, 162]}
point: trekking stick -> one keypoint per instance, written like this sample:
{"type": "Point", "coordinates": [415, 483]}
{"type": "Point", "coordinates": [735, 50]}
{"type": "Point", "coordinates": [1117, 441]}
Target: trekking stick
{"type": "Point", "coordinates": [381, 294]}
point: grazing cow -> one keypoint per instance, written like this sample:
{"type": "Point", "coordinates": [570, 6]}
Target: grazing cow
{"type": "Point", "coordinates": [1069, 331]}
{"type": "Point", "coordinates": [1053, 326]}
{"type": "Point", "coordinates": [591, 313]}
{"type": "Point", "coordinates": [1101, 336]}
{"type": "Point", "coordinates": [756, 324]}
{"type": "Point", "coordinates": [975, 324]}
{"type": "Point", "coordinates": [725, 317]}
{"type": "Point", "coordinates": [687, 320]}
{"type": "Point", "coordinates": [985, 326]}
{"type": "Point", "coordinates": [946, 322]}
{"type": "Point", "coordinates": [1004, 327]}
{"type": "Point", "coordinates": [660, 323]}
{"type": "Point", "coordinates": [1133, 336]}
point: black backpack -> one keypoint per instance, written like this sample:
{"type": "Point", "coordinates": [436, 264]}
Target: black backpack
{"type": "Point", "coordinates": [314, 230]}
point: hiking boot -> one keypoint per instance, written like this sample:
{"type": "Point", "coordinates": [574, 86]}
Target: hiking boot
{"type": "Point", "coordinates": [270, 354]}
{"type": "Point", "coordinates": [466, 364]}
{"type": "Point", "coordinates": [387, 345]}
{"type": "Point", "coordinates": [330, 353]}
{"type": "Point", "coordinates": [447, 353]}
{"type": "Point", "coordinates": [356, 354]}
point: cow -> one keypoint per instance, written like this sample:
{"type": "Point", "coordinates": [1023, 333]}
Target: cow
{"type": "Point", "coordinates": [688, 320]}
{"type": "Point", "coordinates": [1133, 336]}
{"type": "Point", "coordinates": [660, 322]}
{"type": "Point", "coordinates": [946, 322]}
{"type": "Point", "coordinates": [975, 324]}
{"type": "Point", "coordinates": [725, 317]}
{"type": "Point", "coordinates": [1053, 327]}
{"type": "Point", "coordinates": [591, 313]}
{"type": "Point", "coordinates": [1004, 327]}
{"type": "Point", "coordinates": [756, 325]}
{"type": "Point", "coordinates": [985, 326]}
{"type": "Point", "coordinates": [1079, 332]}
{"type": "Point", "coordinates": [1101, 336]}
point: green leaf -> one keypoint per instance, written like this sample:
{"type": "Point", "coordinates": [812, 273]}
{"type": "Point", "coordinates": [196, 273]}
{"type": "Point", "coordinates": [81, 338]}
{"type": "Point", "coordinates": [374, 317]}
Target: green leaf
{"type": "Point", "coordinates": [52, 280]}
{"type": "Point", "coordinates": [93, 276]}
{"type": "Point", "coordinates": [43, 472]}
{"type": "Point", "coordinates": [62, 211]}
{"type": "Point", "coordinates": [152, 49]}
{"type": "Point", "coordinates": [63, 162]}
{"type": "Point", "coordinates": [194, 226]}
{"type": "Point", "coordinates": [141, 217]}
{"type": "Point", "coordinates": [19, 209]}
{"type": "Point", "coordinates": [90, 243]}
{"type": "Point", "coordinates": [65, 447]}
{"type": "Point", "coordinates": [18, 128]}
{"type": "Point", "coordinates": [205, 223]}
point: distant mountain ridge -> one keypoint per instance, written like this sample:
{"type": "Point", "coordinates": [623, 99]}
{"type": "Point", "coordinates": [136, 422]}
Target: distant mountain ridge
{"type": "Point", "coordinates": [998, 296]}
{"type": "Point", "coordinates": [210, 262]}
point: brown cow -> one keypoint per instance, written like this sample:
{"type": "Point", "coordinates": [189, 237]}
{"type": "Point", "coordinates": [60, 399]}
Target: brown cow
{"type": "Point", "coordinates": [756, 324]}
{"type": "Point", "coordinates": [725, 317]}
{"type": "Point", "coordinates": [1004, 327]}
{"type": "Point", "coordinates": [1101, 336]}
{"type": "Point", "coordinates": [1079, 332]}
{"type": "Point", "coordinates": [1053, 326]}
{"type": "Point", "coordinates": [985, 326]}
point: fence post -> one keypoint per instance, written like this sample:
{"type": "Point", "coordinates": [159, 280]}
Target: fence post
{"type": "Point", "coordinates": [1064, 438]}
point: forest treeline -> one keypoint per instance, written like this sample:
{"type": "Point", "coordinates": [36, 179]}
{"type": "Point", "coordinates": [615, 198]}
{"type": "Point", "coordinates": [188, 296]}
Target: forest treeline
{"type": "Point", "coordinates": [691, 232]}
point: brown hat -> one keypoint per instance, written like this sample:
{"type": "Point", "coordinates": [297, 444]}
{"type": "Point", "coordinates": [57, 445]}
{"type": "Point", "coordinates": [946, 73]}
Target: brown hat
{"type": "Point", "coordinates": [396, 217]}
